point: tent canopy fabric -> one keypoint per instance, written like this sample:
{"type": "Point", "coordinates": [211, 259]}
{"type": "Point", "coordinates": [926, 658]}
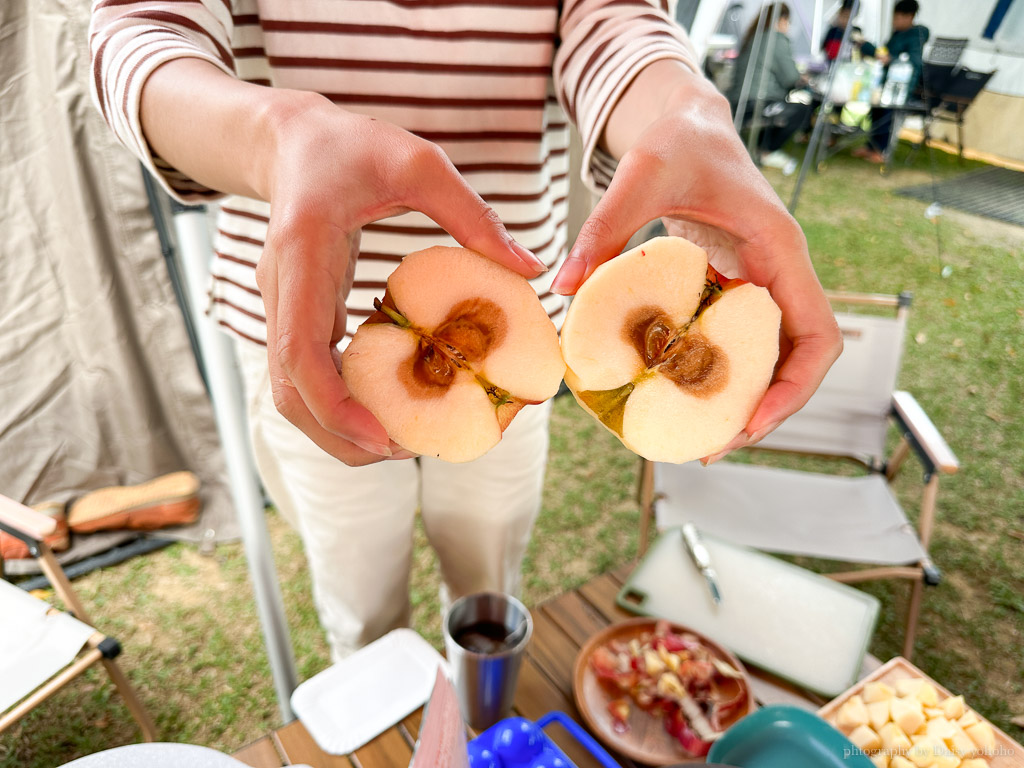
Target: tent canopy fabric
{"type": "Point", "coordinates": [98, 382]}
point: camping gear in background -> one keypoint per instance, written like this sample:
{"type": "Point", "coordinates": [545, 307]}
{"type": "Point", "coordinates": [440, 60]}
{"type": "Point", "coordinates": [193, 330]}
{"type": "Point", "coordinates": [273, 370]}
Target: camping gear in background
{"type": "Point", "coordinates": [952, 101]}
{"type": "Point", "coordinates": [100, 384]}
{"type": "Point", "coordinates": [13, 548]}
{"type": "Point", "coordinates": [41, 648]}
{"type": "Point", "coordinates": [164, 501]}
{"type": "Point", "coordinates": [997, 193]}
{"type": "Point", "coordinates": [992, 30]}
{"type": "Point", "coordinates": [828, 513]}
{"type": "Point", "coordinates": [787, 620]}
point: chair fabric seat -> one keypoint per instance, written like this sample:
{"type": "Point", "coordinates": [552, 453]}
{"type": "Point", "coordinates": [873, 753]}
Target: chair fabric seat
{"type": "Point", "coordinates": [851, 519]}
{"type": "Point", "coordinates": [44, 644]}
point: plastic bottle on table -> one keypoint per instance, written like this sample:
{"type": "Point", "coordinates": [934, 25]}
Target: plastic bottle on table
{"type": "Point", "coordinates": [877, 77]}
{"type": "Point", "coordinates": [867, 80]}
{"type": "Point", "coordinates": [897, 84]}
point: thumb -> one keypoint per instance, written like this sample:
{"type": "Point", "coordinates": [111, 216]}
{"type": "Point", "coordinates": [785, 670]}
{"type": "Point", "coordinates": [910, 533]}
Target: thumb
{"type": "Point", "coordinates": [446, 197]}
{"type": "Point", "coordinates": [616, 218]}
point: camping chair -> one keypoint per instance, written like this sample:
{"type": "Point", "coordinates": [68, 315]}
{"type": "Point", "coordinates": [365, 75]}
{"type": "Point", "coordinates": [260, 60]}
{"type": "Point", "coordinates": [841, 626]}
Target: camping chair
{"type": "Point", "coordinates": [42, 648]}
{"type": "Point", "coordinates": [948, 88]}
{"type": "Point", "coordinates": [952, 102]}
{"type": "Point", "coordinates": [939, 67]}
{"type": "Point", "coordinates": [854, 519]}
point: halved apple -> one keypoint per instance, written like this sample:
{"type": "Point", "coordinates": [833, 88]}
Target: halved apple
{"type": "Point", "coordinates": [458, 345]}
{"type": "Point", "coordinates": [666, 353]}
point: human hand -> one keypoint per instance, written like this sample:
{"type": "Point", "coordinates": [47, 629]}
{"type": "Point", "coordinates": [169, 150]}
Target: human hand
{"type": "Point", "coordinates": [329, 173]}
{"type": "Point", "coordinates": [689, 167]}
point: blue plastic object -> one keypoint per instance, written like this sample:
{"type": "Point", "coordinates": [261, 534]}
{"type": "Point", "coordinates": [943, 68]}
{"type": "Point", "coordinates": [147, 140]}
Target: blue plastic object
{"type": "Point", "coordinates": [780, 736]}
{"type": "Point", "coordinates": [520, 743]}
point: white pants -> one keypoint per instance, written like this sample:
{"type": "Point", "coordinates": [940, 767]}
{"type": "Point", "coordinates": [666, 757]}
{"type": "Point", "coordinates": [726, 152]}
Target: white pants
{"type": "Point", "coordinates": [356, 523]}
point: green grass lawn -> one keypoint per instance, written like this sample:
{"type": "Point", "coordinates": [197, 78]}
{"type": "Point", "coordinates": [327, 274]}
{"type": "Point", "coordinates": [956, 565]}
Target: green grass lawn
{"type": "Point", "coordinates": [188, 623]}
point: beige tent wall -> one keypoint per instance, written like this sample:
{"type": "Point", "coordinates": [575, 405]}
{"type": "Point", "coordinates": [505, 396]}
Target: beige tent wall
{"type": "Point", "coordinates": [98, 384]}
{"type": "Point", "coordinates": [991, 126]}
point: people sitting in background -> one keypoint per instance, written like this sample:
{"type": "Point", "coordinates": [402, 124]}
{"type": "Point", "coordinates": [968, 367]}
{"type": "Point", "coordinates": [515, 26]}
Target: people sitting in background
{"type": "Point", "coordinates": [774, 75]}
{"type": "Point", "coordinates": [832, 44]}
{"type": "Point", "coordinates": [909, 38]}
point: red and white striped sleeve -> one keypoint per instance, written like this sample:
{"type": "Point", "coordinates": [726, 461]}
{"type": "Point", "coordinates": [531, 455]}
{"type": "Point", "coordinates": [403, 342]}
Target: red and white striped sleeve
{"type": "Point", "coordinates": [128, 41]}
{"type": "Point", "coordinates": [604, 45]}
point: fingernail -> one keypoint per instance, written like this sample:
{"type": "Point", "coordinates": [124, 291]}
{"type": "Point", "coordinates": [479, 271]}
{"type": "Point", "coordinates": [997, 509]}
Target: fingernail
{"type": "Point", "coordinates": [528, 257]}
{"type": "Point", "coordinates": [569, 276]}
{"type": "Point", "coordinates": [739, 441]}
{"type": "Point", "coordinates": [378, 449]}
{"type": "Point", "coordinates": [402, 455]}
{"type": "Point", "coordinates": [763, 432]}
{"type": "Point", "coordinates": [707, 461]}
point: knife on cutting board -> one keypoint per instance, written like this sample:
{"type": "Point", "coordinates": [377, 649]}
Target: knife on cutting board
{"type": "Point", "coordinates": [702, 559]}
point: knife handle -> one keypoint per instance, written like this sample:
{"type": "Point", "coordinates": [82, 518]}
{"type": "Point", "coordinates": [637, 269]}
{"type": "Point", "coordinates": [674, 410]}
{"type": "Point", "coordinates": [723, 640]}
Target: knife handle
{"type": "Point", "coordinates": [699, 552]}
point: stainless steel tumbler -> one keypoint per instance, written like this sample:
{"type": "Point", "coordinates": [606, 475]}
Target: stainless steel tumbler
{"type": "Point", "coordinates": [485, 635]}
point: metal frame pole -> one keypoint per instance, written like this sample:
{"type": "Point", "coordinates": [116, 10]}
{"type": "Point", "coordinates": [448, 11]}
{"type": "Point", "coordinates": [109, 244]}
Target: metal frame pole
{"type": "Point", "coordinates": [811, 155]}
{"type": "Point", "coordinates": [194, 252]}
{"type": "Point", "coordinates": [748, 76]}
{"type": "Point", "coordinates": [755, 126]}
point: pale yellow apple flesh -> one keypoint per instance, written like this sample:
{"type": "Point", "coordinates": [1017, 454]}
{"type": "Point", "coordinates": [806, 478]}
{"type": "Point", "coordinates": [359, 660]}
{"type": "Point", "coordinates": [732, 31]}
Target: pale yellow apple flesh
{"type": "Point", "coordinates": [669, 357]}
{"type": "Point", "coordinates": [458, 346]}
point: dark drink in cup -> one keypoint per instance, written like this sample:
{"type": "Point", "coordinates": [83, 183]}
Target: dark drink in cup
{"type": "Point", "coordinates": [485, 635]}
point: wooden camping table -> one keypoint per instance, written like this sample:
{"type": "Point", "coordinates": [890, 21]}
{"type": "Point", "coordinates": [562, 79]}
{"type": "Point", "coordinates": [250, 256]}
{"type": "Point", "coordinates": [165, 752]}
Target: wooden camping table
{"type": "Point", "coordinates": [561, 626]}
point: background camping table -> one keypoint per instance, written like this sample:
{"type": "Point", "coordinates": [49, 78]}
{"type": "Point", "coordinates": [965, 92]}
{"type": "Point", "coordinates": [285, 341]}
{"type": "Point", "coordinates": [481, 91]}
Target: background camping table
{"type": "Point", "coordinates": [561, 626]}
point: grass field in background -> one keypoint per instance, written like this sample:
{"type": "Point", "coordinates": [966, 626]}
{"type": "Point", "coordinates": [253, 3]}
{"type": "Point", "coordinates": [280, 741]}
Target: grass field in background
{"type": "Point", "coordinates": [188, 623]}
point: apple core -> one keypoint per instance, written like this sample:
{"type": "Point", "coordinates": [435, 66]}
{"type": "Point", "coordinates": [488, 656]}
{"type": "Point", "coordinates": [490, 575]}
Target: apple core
{"type": "Point", "coordinates": [668, 354]}
{"type": "Point", "coordinates": [457, 346]}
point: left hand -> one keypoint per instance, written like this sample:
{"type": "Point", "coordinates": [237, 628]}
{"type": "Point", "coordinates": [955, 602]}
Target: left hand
{"type": "Point", "coordinates": [690, 168]}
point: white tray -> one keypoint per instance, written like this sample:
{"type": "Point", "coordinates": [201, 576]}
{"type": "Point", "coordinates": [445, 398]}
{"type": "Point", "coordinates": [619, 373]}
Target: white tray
{"type": "Point", "coordinates": [350, 703]}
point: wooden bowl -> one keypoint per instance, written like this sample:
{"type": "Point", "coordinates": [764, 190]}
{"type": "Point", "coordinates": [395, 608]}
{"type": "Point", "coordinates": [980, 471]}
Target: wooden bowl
{"type": "Point", "coordinates": [646, 741]}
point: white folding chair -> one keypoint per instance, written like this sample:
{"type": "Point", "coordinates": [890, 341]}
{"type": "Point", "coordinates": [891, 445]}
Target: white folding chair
{"type": "Point", "coordinates": [853, 519]}
{"type": "Point", "coordinates": [41, 648]}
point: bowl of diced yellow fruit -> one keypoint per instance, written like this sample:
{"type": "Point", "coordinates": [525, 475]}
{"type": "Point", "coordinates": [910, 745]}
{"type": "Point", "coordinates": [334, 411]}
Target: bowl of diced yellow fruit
{"type": "Point", "coordinates": [901, 718]}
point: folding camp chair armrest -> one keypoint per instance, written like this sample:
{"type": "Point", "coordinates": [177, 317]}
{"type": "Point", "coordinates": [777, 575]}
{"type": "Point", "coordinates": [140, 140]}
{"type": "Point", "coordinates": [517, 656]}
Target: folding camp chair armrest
{"type": "Point", "coordinates": [922, 434]}
{"type": "Point", "coordinates": [24, 522]}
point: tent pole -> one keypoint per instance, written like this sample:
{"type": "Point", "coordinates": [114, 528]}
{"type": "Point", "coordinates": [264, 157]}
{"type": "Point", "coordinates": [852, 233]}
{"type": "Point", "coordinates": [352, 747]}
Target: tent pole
{"type": "Point", "coordinates": [766, 63]}
{"type": "Point", "coordinates": [194, 252]}
{"type": "Point", "coordinates": [824, 112]}
{"type": "Point", "coordinates": [748, 75]}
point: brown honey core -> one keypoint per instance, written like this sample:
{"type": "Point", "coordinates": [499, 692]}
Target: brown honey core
{"type": "Point", "coordinates": [465, 336]}
{"type": "Point", "coordinates": [685, 356]}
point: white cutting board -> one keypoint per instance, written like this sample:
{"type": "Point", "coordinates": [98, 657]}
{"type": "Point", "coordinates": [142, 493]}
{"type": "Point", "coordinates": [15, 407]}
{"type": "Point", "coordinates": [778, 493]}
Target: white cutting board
{"type": "Point", "coordinates": [796, 624]}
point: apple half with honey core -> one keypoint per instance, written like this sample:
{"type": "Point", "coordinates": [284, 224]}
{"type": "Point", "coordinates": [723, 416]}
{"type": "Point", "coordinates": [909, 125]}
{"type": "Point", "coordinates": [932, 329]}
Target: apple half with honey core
{"type": "Point", "coordinates": [666, 353]}
{"type": "Point", "coordinates": [458, 345]}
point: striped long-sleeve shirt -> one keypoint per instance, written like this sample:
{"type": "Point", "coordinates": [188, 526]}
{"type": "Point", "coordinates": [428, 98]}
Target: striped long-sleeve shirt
{"type": "Point", "coordinates": [490, 82]}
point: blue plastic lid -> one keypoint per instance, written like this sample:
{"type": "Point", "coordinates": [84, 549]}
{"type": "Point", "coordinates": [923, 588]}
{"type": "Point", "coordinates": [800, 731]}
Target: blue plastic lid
{"type": "Point", "coordinates": [514, 743]}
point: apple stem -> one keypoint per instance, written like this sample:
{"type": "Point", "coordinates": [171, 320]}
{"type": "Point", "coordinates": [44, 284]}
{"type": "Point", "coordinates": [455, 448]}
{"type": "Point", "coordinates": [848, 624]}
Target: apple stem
{"type": "Point", "coordinates": [712, 290]}
{"type": "Point", "coordinates": [396, 317]}
{"type": "Point", "coordinates": [497, 395]}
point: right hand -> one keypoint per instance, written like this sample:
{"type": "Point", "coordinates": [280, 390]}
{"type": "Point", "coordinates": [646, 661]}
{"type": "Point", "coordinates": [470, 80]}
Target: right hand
{"type": "Point", "coordinates": [329, 173]}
